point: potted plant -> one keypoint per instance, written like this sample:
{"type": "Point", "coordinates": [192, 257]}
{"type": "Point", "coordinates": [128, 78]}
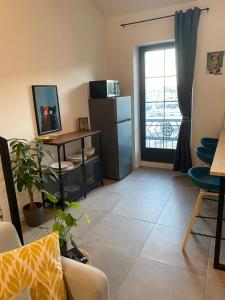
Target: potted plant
{"type": "Point", "coordinates": [65, 222]}
{"type": "Point", "coordinates": [26, 161]}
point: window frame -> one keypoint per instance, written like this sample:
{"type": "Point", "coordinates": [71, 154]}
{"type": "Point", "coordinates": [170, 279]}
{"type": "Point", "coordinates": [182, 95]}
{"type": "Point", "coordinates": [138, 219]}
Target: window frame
{"type": "Point", "coordinates": [151, 154]}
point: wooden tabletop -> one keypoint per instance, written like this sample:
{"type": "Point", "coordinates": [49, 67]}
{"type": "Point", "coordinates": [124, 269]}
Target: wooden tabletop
{"type": "Point", "coordinates": [69, 137]}
{"type": "Point", "coordinates": [218, 165]}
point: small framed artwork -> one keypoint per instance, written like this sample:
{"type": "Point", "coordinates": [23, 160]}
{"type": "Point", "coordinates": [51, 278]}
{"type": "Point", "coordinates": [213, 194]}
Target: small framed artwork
{"type": "Point", "coordinates": [46, 104]}
{"type": "Point", "coordinates": [215, 62]}
{"type": "Point", "coordinates": [83, 124]}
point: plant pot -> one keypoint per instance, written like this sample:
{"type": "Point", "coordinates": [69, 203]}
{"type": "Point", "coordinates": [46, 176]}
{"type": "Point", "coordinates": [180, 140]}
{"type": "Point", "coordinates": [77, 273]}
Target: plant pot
{"type": "Point", "coordinates": [79, 255]}
{"type": "Point", "coordinates": [63, 250]}
{"type": "Point", "coordinates": [87, 255]}
{"type": "Point", "coordinates": [34, 217]}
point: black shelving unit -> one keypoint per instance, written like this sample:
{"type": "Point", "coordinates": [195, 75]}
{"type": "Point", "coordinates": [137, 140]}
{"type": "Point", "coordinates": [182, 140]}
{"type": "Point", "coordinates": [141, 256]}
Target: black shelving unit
{"type": "Point", "coordinates": [74, 183]}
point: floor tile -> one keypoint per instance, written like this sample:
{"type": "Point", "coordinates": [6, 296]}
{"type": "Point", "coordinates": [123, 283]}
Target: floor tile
{"type": "Point", "coordinates": [114, 263]}
{"type": "Point", "coordinates": [137, 174]}
{"type": "Point", "coordinates": [215, 289]}
{"type": "Point", "coordinates": [208, 226]}
{"type": "Point", "coordinates": [166, 176]}
{"type": "Point", "coordinates": [184, 194]}
{"type": "Point", "coordinates": [176, 214]}
{"type": "Point", "coordinates": [140, 208]}
{"type": "Point", "coordinates": [95, 217]}
{"type": "Point", "coordinates": [214, 274]}
{"type": "Point", "coordinates": [151, 189]}
{"type": "Point", "coordinates": [31, 234]}
{"type": "Point", "coordinates": [124, 186]}
{"type": "Point", "coordinates": [121, 233]}
{"type": "Point", "coordinates": [164, 245]}
{"type": "Point", "coordinates": [149, 280]}
{"type": "Point", "coordinates": [101, 200]}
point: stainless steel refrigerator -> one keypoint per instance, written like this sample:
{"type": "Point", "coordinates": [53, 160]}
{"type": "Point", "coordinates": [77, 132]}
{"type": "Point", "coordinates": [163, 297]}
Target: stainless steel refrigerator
{"type": "Point", "coordinates": [113, 117]}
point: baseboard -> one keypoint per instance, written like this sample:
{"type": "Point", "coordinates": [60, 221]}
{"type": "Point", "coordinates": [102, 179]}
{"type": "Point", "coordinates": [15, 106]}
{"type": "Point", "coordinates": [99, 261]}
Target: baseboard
{"type": "Point", "coordinates": [158, 165]}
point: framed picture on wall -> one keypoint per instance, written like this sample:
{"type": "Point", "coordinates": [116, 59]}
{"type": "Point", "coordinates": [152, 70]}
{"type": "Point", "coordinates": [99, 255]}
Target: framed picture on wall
{"type": "Point", "coordinates": [46, 104]}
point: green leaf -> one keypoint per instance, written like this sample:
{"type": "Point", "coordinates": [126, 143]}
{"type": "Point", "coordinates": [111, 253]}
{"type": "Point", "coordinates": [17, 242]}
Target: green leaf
{"type": "Point", "coordinates": [18, 152]}
{"type": "Point", "coordinates": [61, 242]}
{"type": "Point", "coordinates": [58, 227]}
{"type": "Point", "coordinates": [67, 203]}
{"type": "Point", "coordinates": [61, 214]}
{"type": "Point", "coordinates": [50, 197]}
{"type": "Point", "coordinates": [70, 221]}
{"type": "Point", "coordinates": [74, 205]}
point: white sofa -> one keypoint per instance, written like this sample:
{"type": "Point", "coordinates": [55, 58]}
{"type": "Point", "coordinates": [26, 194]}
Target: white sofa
{"type": "Point", "coordinates": [82, 282]}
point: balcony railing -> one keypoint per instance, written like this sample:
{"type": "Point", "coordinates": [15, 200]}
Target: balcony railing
{"type": "Point", "coordinates": [162, 133]}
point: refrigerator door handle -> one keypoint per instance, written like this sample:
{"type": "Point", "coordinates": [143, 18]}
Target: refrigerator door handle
{"type": "Point", "coordinates": [123, 121]}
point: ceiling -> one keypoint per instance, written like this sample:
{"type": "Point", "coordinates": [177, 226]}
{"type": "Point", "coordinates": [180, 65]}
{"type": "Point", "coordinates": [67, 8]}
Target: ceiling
{"type": "Point", "coordinates": [120, 7]}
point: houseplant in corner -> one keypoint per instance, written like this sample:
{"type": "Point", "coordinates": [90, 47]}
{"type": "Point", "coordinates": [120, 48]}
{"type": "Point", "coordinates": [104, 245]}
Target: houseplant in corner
{"type": "Point", "coordinates": [26, 161]}
{"type": "Point", "coordinates": [65, 222]}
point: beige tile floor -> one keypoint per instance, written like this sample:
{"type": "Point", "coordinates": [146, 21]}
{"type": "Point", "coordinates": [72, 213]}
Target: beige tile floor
{"type": "Point", "coordinates": [135, 235]}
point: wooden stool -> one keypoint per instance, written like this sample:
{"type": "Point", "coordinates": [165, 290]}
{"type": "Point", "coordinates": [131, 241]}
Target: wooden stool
{"type": "Point", "coordinates": [200, 177]}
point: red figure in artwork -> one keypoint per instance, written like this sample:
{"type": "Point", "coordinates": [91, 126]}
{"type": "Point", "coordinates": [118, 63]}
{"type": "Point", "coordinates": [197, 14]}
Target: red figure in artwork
{"type": "Point", "coordinates": [49, 118]}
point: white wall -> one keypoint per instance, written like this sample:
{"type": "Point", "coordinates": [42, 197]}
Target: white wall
{"type": "Point", "coordinates": [46, 42]}
{"type": "Point", "coordinates": [209, 91]}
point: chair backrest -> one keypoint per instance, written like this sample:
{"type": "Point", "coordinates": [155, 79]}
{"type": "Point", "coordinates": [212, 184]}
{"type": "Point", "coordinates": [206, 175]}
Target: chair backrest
{"type": "Point", "coordinates": [9, 238]}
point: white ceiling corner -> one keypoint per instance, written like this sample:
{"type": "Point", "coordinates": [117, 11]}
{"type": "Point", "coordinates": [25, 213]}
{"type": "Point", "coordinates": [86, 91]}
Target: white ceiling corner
{"type": "Point", "coordinates": [110, 8]}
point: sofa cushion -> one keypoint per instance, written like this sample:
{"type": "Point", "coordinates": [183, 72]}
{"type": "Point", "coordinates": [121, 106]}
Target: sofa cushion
{"type": "Point", "coordinates": [24, 294]}
{"type": "Point", "coordinates": [36, 265]}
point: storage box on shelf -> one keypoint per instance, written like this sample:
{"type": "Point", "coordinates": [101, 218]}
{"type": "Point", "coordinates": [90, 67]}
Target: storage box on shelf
{"type": "Point", "coordinates": [83, 173]}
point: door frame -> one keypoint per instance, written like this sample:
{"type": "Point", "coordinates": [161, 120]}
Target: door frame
{"type": "Point", "coordinates": [151, 154]}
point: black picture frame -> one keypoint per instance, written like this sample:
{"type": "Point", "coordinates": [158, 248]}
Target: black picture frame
{"type": "Point", "coordinates": [83, 124]}
{"type": "Point", "coordinates": [10, 187]}
{"type": "Point", "coordinates": [46, 105]}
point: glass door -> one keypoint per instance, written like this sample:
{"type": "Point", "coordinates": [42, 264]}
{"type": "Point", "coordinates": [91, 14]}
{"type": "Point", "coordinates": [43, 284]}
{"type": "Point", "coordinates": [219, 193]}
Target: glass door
{"type": "Point", "coordinates": [160, 114]}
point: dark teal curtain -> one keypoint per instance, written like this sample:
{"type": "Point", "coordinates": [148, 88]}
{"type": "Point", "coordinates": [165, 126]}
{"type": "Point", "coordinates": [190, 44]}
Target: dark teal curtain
{"type": "Point", "coordinates": [186, 28]}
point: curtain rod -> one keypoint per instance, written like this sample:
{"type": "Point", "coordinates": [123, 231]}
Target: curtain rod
{"type": "Point", "coordinates": [158, 18]}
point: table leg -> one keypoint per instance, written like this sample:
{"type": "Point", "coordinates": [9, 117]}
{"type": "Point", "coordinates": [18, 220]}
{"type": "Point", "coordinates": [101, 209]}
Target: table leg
{"type": "Point", "coordinates": [217, 264]}
{"type": "Point", "coordinates": [61, 186]}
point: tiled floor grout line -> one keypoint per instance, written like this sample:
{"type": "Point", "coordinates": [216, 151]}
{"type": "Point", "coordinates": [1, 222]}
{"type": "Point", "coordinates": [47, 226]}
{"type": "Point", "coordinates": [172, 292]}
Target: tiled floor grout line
{"type": "Point", "coordinates": [162, 210]}
{"type": "Point", "coordinates": [130, 218]}
{"type": "Point", "coordinates": [204, 295]}
{"type": "Point", "coordinates": [172, 266]}
{"type": "Point", "coordinates": [207, 271]}
{"type": "Point", "coordinates": [135, 258]}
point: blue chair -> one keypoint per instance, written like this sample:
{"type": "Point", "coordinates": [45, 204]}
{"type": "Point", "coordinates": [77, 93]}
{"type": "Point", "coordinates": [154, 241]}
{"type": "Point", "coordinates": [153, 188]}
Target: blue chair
{"type": "Point", "coordinates": [205, 154]}
{"type": "Point", "coordinates": [210, 143]}
{"type": "Point", "coordinates": [209, 186]}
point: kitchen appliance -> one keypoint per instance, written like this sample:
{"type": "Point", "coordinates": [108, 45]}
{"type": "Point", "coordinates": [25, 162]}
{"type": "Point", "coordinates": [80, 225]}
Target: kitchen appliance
{"type": "Point", "coordinates": [104, 88]}
{"type": "Point", "coordinates": [113, 117]}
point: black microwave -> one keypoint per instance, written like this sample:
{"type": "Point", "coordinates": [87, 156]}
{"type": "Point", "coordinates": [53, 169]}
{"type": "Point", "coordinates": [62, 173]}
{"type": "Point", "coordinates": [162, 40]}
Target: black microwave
{"type": "Point", "coordinates": [104, 88]}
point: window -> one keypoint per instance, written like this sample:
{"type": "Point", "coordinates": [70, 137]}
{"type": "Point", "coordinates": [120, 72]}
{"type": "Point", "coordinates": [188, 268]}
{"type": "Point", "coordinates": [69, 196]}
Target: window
{"type": "Point", "coordinates": [161, 117]}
